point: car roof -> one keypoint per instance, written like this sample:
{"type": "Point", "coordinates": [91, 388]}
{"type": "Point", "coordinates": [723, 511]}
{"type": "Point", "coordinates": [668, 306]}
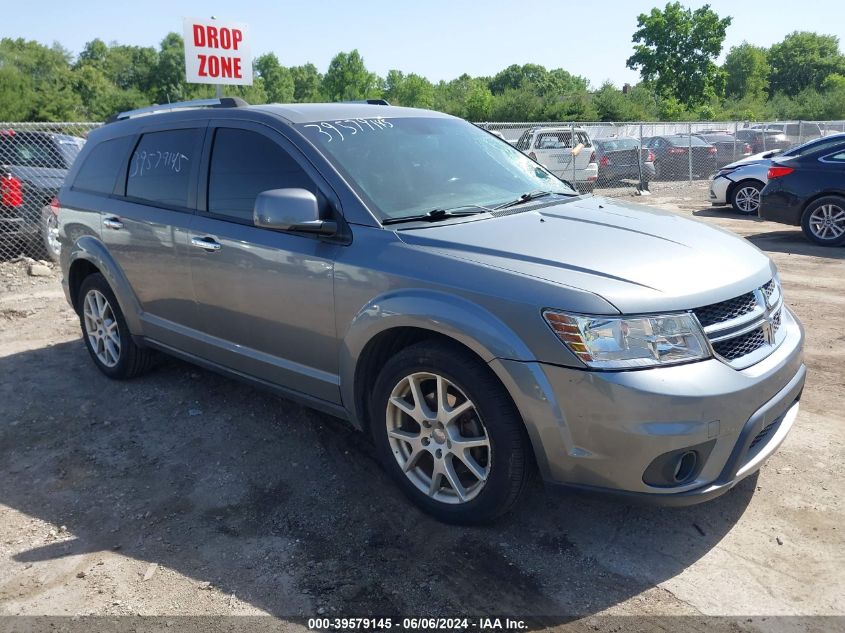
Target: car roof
{"type": "Point", "coordinates": [308, 112]}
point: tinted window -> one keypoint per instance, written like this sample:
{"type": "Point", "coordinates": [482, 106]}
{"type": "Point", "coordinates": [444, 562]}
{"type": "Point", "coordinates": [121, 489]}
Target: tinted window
{"type": "Point", "coordinates": [839, 158]}
{"type": "Point", "coordinates": [815, 146]}
{"type": "Point", "coordinates": [99, 171]}
{"type": "Point", "coordinates": [69, 146]}
{"type": "Point", "coordinates": [243, 164]}
{"type": "Point", "coordinates": [161, 166]}
{"type": "Point", "coordinates": [30, 150]}
{"type": "Point", "coordinates": [684, 141]}
{"type": "Point", "coordinates": [617, 144]}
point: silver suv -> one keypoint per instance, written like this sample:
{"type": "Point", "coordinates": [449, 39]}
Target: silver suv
{"type": "Point", "coordinates": [423, 279]}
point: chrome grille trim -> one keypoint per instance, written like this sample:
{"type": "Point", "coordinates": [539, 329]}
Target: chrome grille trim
{"type": "Point", "coordinates": [741, 334]}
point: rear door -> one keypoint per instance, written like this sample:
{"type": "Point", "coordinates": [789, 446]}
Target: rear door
{"type": "Point", "coordinates": [146, 229]}
{"type": "Point", "coordinates": [265, 298]}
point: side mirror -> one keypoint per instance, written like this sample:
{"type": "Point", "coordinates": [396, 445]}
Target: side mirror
{"type": "Point", "coordinates": [290, 210]}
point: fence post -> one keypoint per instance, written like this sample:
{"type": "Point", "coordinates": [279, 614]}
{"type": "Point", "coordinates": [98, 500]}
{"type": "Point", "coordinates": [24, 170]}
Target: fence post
{"type": "Point", "coordinates": [800, 132]}
{"type": "Point", "coordinates": [572, 155]}
{"type": "Point", "coordinates": [640, 160]}
{"type": "Point", "coordinates": [689, 149]}
{"type": "Point", "coordinates": [733, 158]}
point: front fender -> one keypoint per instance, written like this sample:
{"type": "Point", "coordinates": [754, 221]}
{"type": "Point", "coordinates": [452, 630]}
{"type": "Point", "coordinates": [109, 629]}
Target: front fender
{"type": "Point", "coordinates": [468, 323]}
{"type": "Point", "coordinates": [89, 248]}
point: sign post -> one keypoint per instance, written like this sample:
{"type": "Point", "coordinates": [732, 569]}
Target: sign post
{"type": "Point", "coordinates": [217, 52]}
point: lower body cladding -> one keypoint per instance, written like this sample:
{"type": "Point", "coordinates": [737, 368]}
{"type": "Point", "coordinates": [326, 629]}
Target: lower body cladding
{"type": "Point", "coordinates": [674, 435]}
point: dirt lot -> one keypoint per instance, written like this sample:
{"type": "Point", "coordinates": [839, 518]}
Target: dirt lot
{"type": "Point", "coordinates": [186, 493]}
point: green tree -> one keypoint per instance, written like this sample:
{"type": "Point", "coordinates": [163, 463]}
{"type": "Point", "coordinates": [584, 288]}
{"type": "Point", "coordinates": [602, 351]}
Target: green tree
{"type": "Point", "coordinates": [44, 81]}
{"type": "Point", "coordinates": [408, 90]}
{"type": "Point", "coordinates": [675, 49]}
{"type": "Point", "coordinates": [276, 79]}
{"type": "Point", "coordinates": [306, 83]}
{"type": "Point", "coordinates": [747, 72]}
{"type": "Point", "coordinates": [611, 104]}
{"type": "Point", "coordinates": [348, 79]}
{"type": "Point", "coordinates": [804, 60]}
{"type": "Point", "coordinates": [170, 71]}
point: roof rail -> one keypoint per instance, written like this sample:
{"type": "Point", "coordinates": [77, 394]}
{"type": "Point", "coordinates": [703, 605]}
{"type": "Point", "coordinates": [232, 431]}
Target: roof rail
{"type": "Point", "coordinates": [223, 102]}
{"type": "Point", "coordinates": [369, 101]}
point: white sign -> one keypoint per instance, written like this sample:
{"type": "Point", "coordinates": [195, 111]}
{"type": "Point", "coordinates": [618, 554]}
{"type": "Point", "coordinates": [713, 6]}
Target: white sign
{"type": "Point", "coordinates": [217, 52]}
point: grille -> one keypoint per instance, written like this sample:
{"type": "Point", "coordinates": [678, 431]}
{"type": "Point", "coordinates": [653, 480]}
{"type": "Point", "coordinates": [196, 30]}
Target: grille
{"type": "Point", "coordinates": [762, 435]}
{"type": "Point", "coordinates": [734, 348]}
{"type": "Point", "coordinates": [769, 288]}
{"type": "Point", "coordinates": [726, 310]}
{"type": "Point", "coordinates": [776, 321]}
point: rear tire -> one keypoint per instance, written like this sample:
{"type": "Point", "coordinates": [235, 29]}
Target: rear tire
{"type": "Point", "coordinates": [438, 415]}
{"type": "Point", "coordinates": [823, 221]}
{"type": "Point", "coordinates": [105, 333]}
{"type": "Point", "coordinates": [745, 197]}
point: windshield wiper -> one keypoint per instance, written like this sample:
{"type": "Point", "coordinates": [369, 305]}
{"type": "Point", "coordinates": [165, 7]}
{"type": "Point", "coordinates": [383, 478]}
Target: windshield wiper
{"type": "Point", "coordinates": [436, 215]}
{"type": "Point", "coordinates": [529, 196]}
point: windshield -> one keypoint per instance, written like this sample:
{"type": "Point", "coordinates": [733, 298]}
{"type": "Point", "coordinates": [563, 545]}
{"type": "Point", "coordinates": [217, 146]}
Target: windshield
{"type": "Point", "coordinates": [408, 166]}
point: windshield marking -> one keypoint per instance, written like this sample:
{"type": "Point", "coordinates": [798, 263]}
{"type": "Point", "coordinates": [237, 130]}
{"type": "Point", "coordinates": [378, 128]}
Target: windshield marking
{"type": "Point", "coordinates": [376, 124]}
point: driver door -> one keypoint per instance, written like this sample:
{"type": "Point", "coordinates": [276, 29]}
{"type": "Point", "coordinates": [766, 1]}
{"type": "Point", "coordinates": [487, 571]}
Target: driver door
{"type": "Point", "coordinates": [265, 297]}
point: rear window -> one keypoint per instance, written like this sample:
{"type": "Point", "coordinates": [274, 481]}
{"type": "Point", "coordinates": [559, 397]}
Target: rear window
{"type": "Point", "coordinates": [717, 138]}
{"type": "Point", "coordinates": [161, 166]}
{"type": "Point", "coordinates": [69, 146]}
{"type": "Point", "coordinates": [616, 144]}
{"type": "Point", "coordinates": [31, 150]}
{"type": "Point", "coordinates": [560, 140]}
{"type": "Point", "coordinates": [99, 171]}
{"type": "Point", "coordinates": [685, 141]}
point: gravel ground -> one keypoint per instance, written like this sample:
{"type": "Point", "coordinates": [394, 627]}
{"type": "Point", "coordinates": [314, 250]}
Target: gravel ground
{"type": "Point", "coordinates": [183, 492]}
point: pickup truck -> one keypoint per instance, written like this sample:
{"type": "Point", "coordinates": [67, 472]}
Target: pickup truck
{"type": "Point", "coordinates": [33, 166]}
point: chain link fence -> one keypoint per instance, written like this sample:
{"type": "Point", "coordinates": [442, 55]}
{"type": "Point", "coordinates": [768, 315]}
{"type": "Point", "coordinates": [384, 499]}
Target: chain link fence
{"type": "Point", "coordinates": [34, 159]}
{"type": "Point", "coordinates": [612, 159]}
{"type": "Point", "coordinates": [616, 158]}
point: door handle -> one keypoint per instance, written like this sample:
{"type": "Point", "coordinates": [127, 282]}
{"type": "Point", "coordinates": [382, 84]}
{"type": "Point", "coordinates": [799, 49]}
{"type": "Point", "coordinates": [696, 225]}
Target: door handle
{"type": "Point", "coordinates": [206, 243]}
{"type": "Point", "coordinates": [113, 223]}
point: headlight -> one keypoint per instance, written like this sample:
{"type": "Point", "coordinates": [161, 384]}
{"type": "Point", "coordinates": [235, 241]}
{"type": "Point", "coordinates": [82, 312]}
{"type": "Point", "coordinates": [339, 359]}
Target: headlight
{"type": "Point", "coordinates": [622, 343]}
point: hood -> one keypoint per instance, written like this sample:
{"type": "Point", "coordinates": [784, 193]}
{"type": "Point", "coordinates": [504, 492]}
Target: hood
{"type": "Point", "coordinates": [762, 157]}
{"type": "Point", "coordinates": [638, 258]}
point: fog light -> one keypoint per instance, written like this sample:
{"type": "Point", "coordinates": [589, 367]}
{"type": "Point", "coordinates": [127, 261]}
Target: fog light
{"type": "Point", "coordinates": [678, 467]}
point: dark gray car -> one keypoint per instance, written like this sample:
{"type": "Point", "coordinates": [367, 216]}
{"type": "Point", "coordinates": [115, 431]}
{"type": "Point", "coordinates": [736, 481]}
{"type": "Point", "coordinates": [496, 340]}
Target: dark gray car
{"type": "Point", "coordinates": [406, 271]}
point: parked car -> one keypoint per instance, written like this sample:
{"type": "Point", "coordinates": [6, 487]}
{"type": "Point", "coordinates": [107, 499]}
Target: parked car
{"type": "Point", "coordinates": [739, 184]}
{"type": "Point", "coordinates": [622, 158]}
{"type": "Point", "coordinates": [728, 147]}
{"type": "Point", "coordinates": [808, 190]}
{"type": "Point", "coordinates": [794, 133]}
{"type": "Point", "coordinates": [672, 156]}
{"type": "Point", "coordinates": [32, 168]}
{"type": "Point", "coordinates": [763, 140]}
{"type": "Point", "coordinates": [406, 271]}
{"type": "Point", "coordinates": [554, 147]}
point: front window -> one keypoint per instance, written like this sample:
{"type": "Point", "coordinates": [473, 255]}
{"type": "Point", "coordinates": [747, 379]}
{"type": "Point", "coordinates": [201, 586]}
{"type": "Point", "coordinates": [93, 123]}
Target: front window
{"type": "Point", "coordinates": [408, 166]}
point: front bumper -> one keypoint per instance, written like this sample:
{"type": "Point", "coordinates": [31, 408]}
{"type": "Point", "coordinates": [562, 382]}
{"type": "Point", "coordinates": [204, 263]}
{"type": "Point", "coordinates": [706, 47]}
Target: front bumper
{"type": "Point", "coordinates": [601, 430]}
{"type": "Point", "coordinates": [719, 186]}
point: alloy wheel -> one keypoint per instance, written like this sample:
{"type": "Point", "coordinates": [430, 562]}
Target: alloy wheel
{"type": "Point", "coordinates": [827, 222]}
{"type": "Point", "coordinates": [748, 199]}
{"type": "Point", "coordinates": [438, 439]}
{"type": "Point", "coordinates": [101, 328]}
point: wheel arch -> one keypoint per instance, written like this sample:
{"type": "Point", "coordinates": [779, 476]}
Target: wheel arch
{"type": "Point", "coordinates": [388, 324]}
{"type": "Point", "coordinates": [818, 196]}
{"type": "Point", "coordinates": [732, 187]}
{"type": "Point", "coordinates": [91, 256]}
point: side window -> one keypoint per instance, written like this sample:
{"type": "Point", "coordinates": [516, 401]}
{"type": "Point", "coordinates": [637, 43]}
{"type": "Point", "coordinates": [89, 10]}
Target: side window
{"type": "Point", "coordinates": [245, 163]}
{"type": "Point", "coordinates": [161, 165]}
{"type": "Point", "coordinates": [99, 171]}
{"type": "Point", "coordinates": [836, 158]}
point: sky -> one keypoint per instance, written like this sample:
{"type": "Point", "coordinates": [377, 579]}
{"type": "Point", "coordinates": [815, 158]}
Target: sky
{"type": "Point", "coordinates": [439, 39]}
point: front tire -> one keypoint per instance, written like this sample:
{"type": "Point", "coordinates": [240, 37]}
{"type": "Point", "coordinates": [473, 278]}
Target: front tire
{"type": "Point", "coordinates": [745, 197]}
{"type": "Point", "coordinates": [823, 221]}
{"type": "Point", "coordinates": [105, 333]}
{"type": "Point", "coordinates": [448, 433]}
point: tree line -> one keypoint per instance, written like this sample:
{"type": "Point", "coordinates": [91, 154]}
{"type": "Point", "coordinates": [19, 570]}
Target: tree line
{"type": "Point", "coordinates": [675, 51]}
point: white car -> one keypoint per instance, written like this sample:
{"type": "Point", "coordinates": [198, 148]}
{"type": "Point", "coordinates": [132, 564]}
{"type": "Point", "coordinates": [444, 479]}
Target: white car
{"type": "Point", "coordinates": [555, 149]}
{"type": "Point", "coordinates": [739, 184]}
